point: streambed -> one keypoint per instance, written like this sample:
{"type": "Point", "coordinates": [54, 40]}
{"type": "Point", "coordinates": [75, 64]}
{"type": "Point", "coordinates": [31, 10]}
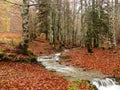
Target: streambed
{"type": "Point", "coordinates": [51, 63]}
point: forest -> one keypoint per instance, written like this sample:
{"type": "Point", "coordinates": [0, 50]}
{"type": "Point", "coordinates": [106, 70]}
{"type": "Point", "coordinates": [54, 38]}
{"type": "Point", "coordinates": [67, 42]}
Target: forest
{"type": "Point", "coordinates": [59, 45]}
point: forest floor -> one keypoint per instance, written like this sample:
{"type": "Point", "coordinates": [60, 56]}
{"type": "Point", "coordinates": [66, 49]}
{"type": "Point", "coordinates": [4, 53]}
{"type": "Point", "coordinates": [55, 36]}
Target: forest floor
{"type": "Point", "coordinates": [105, 61]}
{"type": "Point", "coordinates": [25, 76]}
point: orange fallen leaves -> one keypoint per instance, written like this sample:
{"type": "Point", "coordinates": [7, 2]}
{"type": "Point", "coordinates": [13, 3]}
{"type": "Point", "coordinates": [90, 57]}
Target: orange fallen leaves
{"type": "Point", "coordinates": [104, 61]}
{"type": "Point", "coordinates": [21, 76]}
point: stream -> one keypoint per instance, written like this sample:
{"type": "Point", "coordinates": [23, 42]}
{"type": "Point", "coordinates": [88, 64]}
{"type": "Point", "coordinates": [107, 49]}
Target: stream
{"type": "Point", "coordinates": [105, 84]}
{"type": "Point", "coordinates": [51, 63]}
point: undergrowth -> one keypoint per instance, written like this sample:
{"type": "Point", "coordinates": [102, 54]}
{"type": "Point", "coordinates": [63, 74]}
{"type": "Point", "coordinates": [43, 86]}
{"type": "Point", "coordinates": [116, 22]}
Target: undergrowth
{"type": "Point", "coordinates": [81, 85]}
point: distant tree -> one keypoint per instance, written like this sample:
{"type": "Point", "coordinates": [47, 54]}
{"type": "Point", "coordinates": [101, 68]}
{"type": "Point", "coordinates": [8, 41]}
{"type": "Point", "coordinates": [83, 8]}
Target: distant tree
{"type": "Point", "coordinates": [97, 25]}
{"type": "Point", "coordinates": [32, 23]}
{"type": "Point", "coordinates": [4, 16]}
{"type": "Point", "coordinates": [115, 24]}
{"type": "Point", "coordinates": [69, 22]}
{"type": "Point", "coordinates": [42, 17]}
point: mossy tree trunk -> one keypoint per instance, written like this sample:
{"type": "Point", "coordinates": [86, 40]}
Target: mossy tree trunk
{"type": "Point", "coordinates": [42, 22]}
{"type": "Point", "coordinates": [115, 24]}
{"type": "Point", "coordinates": [32, 24]}
{"type": "Point", "coordinates": [25, 26]}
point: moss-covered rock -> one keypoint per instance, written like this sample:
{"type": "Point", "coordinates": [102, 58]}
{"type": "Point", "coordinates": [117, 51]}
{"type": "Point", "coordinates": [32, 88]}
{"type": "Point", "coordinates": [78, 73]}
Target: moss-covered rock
{"type": "Point", "coordinates": [81, 85]}
{"type": "Point", "coordinates": [1, 55]}
{"type": "Point", "coordinates": [65, 57]}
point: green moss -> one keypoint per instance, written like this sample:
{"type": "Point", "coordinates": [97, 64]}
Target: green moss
{"type": "Point", "coordinates": [76, 85]}
{"type": "Point", "coordinates": [2, 50]}
{"type": "Point", "coordinates": [1, 55]}
{"type": "Point", "coordinates": [46, 48]}
{"type": "Point", "coordinates": [10, 56]}
{"type": "Point", "coordinates": [65, 57]}
{"type": "Point", "coordinates": [30, 53]}
{"type": "Point", "coordinates": [73, 86]}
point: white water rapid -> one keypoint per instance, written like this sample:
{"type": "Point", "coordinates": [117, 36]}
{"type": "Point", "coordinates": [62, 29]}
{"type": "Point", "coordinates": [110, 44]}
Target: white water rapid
{"type": "Point", "coordinates": [51, 63]}
{"type": "Point", "coordinates": [106, 84]}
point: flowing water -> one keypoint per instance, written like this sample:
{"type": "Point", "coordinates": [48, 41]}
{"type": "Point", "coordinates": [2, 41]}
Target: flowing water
{"type": "Point", "coordinates": [106, 84]}
{"type": "Point", "coordinates": [51, 63]}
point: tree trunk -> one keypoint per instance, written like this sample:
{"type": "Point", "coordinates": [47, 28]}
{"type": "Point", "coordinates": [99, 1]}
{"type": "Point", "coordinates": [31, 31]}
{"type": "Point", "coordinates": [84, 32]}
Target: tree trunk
{"type": "Point", "coordinates": [25, 25]}
{"type": "Point", "coordinates": [115, 24]}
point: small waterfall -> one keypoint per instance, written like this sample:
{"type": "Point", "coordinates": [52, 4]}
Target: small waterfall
{"type": "Point", "coordinates": [106, 84]}
{"type": "Point", "coordinates": [49, 57]}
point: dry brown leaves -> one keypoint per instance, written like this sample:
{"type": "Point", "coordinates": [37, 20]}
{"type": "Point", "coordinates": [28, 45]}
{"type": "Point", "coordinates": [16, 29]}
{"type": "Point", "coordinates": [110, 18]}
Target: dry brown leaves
{"type": "Point", "coordinates": [104, 61]}
{"type": "Point", "coordinates": [21, 76]}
